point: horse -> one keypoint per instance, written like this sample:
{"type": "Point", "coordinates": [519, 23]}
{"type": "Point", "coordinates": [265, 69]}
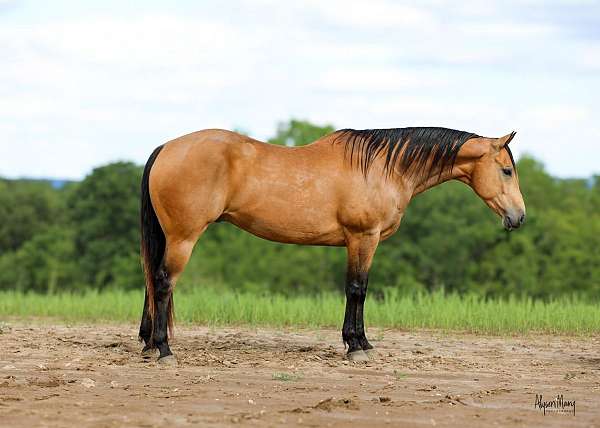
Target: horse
{"type": "Point", "coordinates": [349, 188]}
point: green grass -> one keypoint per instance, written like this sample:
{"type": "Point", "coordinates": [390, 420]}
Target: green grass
{"type": "Point", "coordinates": [399, 375]}
{"type": "Point", "coordinates": [222, 307]}
{"type": "Point", "coordinates": [286, 377]}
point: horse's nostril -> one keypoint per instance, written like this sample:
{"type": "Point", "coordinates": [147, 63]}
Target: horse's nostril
{"type": "Point", "coordinates": [522, 219]}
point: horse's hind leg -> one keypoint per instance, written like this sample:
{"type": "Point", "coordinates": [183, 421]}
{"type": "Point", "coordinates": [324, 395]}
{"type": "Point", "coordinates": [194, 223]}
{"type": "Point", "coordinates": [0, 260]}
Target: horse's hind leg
{"type": "Point", "coordinates": [177, 254]}
{"type": "Point", "coordinates": [146, 330]}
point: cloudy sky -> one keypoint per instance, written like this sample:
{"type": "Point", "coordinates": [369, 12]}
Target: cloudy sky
{"type": "Point", "coordinates": [85, 83]}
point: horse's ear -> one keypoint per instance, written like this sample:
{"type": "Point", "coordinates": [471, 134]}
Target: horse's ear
{"type": "Point", "coordinates": [475, 147]}
{"type": "Point", "coordinates": [499, 143]}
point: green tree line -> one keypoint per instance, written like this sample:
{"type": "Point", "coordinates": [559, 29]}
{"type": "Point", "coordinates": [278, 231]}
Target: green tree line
{"type": "Point", "coordinates": [86, 235]}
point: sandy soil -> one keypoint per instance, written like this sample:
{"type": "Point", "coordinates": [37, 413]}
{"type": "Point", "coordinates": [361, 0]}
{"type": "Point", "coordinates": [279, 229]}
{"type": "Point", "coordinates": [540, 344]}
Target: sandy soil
{"type": "Point", "coordinates": [78, 376]}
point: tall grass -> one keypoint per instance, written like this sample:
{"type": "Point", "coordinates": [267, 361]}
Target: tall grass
{"type": "Point", "coordinates": [222, 307]}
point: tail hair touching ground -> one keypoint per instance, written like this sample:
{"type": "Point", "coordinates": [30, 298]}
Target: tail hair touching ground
{"type": "Point", "coordinates": [153, 242]}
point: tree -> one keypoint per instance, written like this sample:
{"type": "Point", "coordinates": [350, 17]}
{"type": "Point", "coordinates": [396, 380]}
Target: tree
{"type": "Point", "coordinates": [104, 214]}
{"type": "Point", "coordinates": [299, 133]}
{"type": "Point", "coordinates": [26, 209]}
{"type": "Point", "coordinates": [45, 263]}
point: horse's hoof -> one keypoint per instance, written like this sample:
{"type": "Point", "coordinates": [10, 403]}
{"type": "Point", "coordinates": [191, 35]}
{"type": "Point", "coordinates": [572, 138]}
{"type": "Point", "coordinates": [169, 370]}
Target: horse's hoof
{"type": "Point", "coordinates": [357, 356]}
{"type": "Point", "coordinates": [371, 353]}
{"type": "Point", "coordinates": [168, 360]}
{"type": "Point", "coordinates": [148, 353]}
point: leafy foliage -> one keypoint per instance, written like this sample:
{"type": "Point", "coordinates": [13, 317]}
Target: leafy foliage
{"type": "Point", "coordinates": [26, 209]}
{"type": "Point", "coordinates": [104, 209]}
{"type": "Point", "coordinates": [86, 235]}
{"type": "Point", "coordinates": [299, 133]}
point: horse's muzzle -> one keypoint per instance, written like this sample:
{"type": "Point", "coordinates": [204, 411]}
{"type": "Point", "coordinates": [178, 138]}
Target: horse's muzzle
{"type": "Point", "coordinates": [513, 222]}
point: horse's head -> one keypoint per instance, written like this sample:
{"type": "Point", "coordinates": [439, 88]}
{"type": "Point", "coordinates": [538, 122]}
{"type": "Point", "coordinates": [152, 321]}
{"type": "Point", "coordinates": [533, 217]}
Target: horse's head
{"type": "Point", "coordinates": [493, 176]}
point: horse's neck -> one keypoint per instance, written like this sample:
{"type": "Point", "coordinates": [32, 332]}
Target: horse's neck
{"type": "Point", "coordinates": [461, 171]}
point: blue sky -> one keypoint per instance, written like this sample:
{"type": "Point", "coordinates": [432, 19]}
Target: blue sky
{"type": "Point", "coordinates": [84, 83]}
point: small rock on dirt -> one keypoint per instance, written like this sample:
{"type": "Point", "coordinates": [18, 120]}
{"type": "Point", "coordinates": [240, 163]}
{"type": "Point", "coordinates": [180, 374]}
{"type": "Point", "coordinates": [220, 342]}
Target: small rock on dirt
{"type": "Point", "coordinates": [88, 383]}
{"type": "Point", "coordinates": [329, 404]}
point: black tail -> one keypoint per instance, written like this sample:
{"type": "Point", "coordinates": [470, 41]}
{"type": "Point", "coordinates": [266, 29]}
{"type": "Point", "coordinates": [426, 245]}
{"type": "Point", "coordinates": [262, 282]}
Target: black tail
{"type": "Point", "coordinates": [153, 240]}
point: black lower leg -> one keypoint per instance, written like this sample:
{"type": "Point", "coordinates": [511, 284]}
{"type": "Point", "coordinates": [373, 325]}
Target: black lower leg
{"type": "Point", "coordinates": [360, 322]}
{"type": "Point", "coordinates": [146, 325]}
{"type": "Point", "coordinates": [349, 329]}
{"type": "Point", "coordinates": [162, 295]}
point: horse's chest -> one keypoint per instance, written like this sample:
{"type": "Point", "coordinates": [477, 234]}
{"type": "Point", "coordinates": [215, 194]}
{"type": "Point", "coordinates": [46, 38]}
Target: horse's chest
{"type": "Point", "coordinates": [391, 225]}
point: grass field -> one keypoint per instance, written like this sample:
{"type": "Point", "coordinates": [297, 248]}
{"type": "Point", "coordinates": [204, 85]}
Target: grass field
{"type": "Point", "coordinates": [221, 307]}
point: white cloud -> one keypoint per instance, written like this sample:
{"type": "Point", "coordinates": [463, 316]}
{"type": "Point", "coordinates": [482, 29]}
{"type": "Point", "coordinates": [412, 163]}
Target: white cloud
{"type": "Point", "coordinates": [588, 57]}
{"type": "Point", "coordinates": [377, 79]}
{"type": "Point", "coordinates": [375, 14]}
{"type": "Point", "coordinates": [506, 30]}
{"type": "Point", "coordinates": [80, 91]}
{"type": "Point", "coordinates": [556, 115]}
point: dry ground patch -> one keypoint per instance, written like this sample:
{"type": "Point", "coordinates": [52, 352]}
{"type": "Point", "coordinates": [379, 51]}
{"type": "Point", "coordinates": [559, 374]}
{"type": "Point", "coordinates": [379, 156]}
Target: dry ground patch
{"type": "Point", "coordinates": [93, 375]}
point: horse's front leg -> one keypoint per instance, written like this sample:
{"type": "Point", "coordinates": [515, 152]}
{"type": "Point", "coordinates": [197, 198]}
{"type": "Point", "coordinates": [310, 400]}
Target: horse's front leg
{"type": "Point", "coordinates": [361, 248]}
{"type": "Point", "coordinates": [349, 333]}
{"type": "Point", "coordinates": [360, 322]}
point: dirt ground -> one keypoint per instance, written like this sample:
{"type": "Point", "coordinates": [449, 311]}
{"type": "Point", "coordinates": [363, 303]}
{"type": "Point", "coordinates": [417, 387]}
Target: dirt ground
{"type": "Point", "coordinates": [79, 376]}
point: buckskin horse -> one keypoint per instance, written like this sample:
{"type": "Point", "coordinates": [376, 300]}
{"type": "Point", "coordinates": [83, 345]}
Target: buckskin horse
{"type": "Point", "coordinates": [349, 188]}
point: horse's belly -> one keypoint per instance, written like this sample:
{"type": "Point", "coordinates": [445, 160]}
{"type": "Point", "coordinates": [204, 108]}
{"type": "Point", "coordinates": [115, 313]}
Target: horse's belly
{"type": "Point", "coordinates": [307, 227]}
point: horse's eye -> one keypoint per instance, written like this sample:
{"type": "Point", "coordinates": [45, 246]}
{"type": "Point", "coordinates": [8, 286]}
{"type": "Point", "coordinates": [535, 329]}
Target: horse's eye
{"type": "Point", "coordinates": [507, 171]}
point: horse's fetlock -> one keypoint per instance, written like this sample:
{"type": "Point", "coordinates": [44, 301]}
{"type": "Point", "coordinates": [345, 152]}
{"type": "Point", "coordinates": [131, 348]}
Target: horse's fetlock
{"type": "Point", "coordinates": [348, 333]}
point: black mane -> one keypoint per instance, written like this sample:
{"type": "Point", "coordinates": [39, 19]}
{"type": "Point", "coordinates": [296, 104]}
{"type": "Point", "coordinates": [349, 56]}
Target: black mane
{"type": "Point", "coordinates": [439, 146]}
